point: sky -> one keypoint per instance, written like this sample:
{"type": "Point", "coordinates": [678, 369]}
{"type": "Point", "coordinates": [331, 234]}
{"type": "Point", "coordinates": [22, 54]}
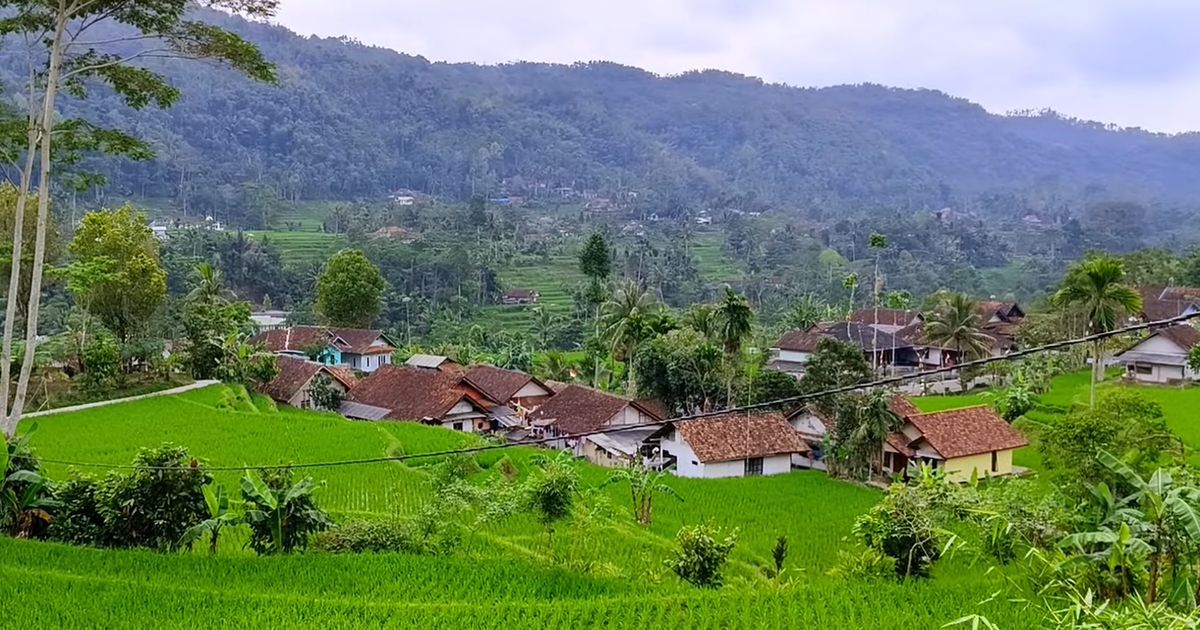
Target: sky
{"type": "Point", "coordinates": [1133, 63]}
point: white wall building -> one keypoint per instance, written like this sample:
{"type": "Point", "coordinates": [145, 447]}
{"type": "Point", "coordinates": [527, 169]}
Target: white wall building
{"type": "Point", "coordinates": [1162, 357]}
{"type": "Point", "coordinates": [732, 445]}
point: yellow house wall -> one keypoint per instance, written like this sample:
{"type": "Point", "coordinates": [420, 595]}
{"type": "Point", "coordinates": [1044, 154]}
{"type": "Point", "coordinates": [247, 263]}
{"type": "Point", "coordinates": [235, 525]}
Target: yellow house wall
{"type": "Point", "coordinates": [960, 468]}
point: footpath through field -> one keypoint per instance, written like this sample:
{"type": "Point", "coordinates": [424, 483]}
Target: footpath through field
{"type": "Point", "coordinates": [102, 403]}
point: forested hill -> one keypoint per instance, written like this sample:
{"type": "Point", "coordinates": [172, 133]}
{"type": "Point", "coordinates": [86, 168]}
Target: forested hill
{"type": "Point", "coordinates": [351, 121]}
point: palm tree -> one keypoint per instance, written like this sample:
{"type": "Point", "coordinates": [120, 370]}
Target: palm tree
{"type": "Point", "coordinates": [957, 325]}
{"type": "Point", "coordinates": [1095, 289]}
{"type": "Point", "coordinates": [806, 313]}
{"type": "Point", "coordinates": [735, 320]}
{"type": "Point", "coordinates": [545, 327]}
{"type": "Point", "coordinates": [623, 322]}
{"type": "Point", "coordinates": [643, 485]}
{"type": "Point", "coordinates": [875, 420]}
{"type": "Point", "coordinates": [702, 318]}
{"type": "Point", "coordinates": [210, 284]}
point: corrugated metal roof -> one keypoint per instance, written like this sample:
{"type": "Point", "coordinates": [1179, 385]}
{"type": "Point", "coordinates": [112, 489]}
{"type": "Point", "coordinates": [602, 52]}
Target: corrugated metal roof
{"type": "Point", "coordinates": [626, 442]}
{"type": "Point", "coordinates": [429, 361]}
{"type": "Point", "coordinates": [1155, 358]}
{"type": "Point", "coordinates": [352, 409]}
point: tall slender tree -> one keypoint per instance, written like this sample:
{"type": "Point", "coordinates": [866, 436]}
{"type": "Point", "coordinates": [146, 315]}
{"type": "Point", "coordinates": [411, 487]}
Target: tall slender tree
{"type": "Point", "coordinates": [1095, 288]}
{"type": "Point", "coordinates": [624, 320]}
{"type": "Point", "coordinates": [66, 52]}
{"type": "Point", "coordinates": [735, 320]}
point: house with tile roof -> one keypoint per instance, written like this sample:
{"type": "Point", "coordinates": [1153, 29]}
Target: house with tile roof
{"type": "Point", "coordinates": [963, 442]}
{"type": "Point", "coordinates": [434, 362]}
{"type": "Point", "coordinates": [1159, 303]}
{"type": "Point", "coordinates": [886, 319]}
{"type": "Point", "coordinates": [1162, 357]}
{"type": "Point", "coordinates": [359, 349]}
{"type": "Point", "coordinates": [882, 348]}
{"type": "Point", "coordinates": [520, 391]}
{"type": "Point", "coordinates": [421, 395]}
{"type": "Point", "coordinates": [578, 409]}
{"type": "Point", "coordinates": [731, 445]}
{"type": "Point", "coordinates": [296, 376]}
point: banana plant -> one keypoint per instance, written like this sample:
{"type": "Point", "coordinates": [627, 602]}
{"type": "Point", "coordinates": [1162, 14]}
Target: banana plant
{"type": "Point", "coordinates": [24, 496]}
{"type": "Point", "coordinates": [219, 516]}
{"type": "Point", "coordinates": [281, 514]}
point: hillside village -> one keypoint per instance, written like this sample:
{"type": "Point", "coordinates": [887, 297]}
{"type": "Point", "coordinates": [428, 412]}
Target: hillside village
{"type": "Point", "coordinates": [519, 408]}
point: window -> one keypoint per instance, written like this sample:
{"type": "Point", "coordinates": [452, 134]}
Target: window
{"type": "Point", "coordinates": [995, 467]}
{"type": "Point", "coordinates": [458, 426]}
{"type": "Point", "coordinates": [754, 467]}
{"type": "Point", "coordinates": [1143, 369]}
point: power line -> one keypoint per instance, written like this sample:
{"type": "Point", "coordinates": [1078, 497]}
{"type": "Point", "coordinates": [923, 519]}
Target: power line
{"type": "Point", "coordinates": [781, 402]}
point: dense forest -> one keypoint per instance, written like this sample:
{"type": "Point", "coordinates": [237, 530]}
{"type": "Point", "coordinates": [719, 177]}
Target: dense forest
{"type": "Point", "coordinates": [348, 121]}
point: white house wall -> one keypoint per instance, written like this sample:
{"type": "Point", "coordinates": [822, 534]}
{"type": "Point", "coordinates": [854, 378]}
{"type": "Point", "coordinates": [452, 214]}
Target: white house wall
{"type": "Point", "coordinates": [794, 356]}
{"type": "Point", "coordinates": [531, 390]}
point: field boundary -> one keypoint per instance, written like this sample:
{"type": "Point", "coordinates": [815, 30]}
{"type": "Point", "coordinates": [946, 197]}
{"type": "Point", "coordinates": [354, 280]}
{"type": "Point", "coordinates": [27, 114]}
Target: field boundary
{"type": "Point", "coordinates": [104, 403]}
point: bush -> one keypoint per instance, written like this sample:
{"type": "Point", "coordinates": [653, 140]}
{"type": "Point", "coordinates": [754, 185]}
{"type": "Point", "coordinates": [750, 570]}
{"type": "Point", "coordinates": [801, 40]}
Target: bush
{"type": "Point", "coordinates": [281, 513]}
{"type": "Point", "coordinates": [864, 563]}
{"type": "Point", "coordinates": [156, 503]}
{"type": "Point", "coordinates": [369, 536]}
{"type": "Point", "coordinates": [79, 519]}
{"type": "Point", "coordinates": [102, 363]}
{"type": "Point", "coordinates": [701, 556]}
{"type": "Point", "coordinates": [324, 394]}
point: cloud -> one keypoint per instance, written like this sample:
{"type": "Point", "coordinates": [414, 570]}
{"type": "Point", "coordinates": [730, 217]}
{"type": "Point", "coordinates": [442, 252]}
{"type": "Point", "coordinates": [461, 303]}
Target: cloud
{"type": "Point", "coordinates": [1134, 64]}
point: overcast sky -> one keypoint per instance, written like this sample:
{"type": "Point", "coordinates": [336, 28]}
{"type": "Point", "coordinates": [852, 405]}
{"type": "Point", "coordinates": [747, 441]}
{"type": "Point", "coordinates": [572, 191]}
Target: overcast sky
{"type": "Point", "coordinates": [1135, 63]}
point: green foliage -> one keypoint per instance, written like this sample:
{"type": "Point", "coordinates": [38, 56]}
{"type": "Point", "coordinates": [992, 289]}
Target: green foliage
{"type": "Point", "coordinates": [594, 259]}
{"type": "Point", "coordinates": [1194, 359]}
{"type": "Point", "coordinates": [209, 320]}
{"type": "Point", "coordinates": [864, 563]}
{"type": "Point", "coordinates": [1123, 422]}
{"type": "Point", "coordinates": [907, 525]}
{"type": "Point", "coordinates": [323, 393]}
{"type": "Point", "coordinates": [701, 555]}
{"type": "Point", "coordinates": [78, 518]}
{"type": "Point", "coordinates": [372, 536]}
{"type": "Point", "coordinates": [834, 364]}
{"type": "Point", "coordinates": [244, 364]}
{"type": "Point", "coordinates": [219, 517]}
{"type": "Point", "coordinates": [684, 370]}
{"type": "Point", "coordinates": [132, 284]}
{"type": "Point", "coordinates": [1014, 401]}
{"type": "Point", "coordinates": [350, 290]}
{"type": "Point", "coordinates": [551, 493]}
{"type": "Point", "coordinates": [25, 495]}
{"type": "Point", "coordinates": [154, 504]}
{"type": "Point", "coordinates": [281, 512]}
{"type": "Point", "coordinates": [643, 485]}
{"type": "Point", "coordinates": [101, 362]}
{"type": "Point", "coordinates": [862, 421]}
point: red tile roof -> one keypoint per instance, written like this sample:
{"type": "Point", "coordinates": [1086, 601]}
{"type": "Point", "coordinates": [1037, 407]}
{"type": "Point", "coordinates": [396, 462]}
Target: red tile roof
{"type": "Point", "coordinates": [884, 316]}
{"type": "Point", "coordinates": [578, 409]}
{"type": "Point", "coordinates": [500, 384]}
{"type": "Point", "coordinates": [1004, 310]}
{"type": "Point", "coordinates": [902, 406]}
{"type": "Point", "coordinates": [294, 374]}
{"type": "Point", "coordinates": [415, 394]}
{"type": "Point", "coordinates": [739, 436]}
{"type": "Point", "coordinates": [967, 431]}
{"type": "Point", "coordinates": [1182, 335]}
{"type": "Point", "coordinates": [1159, 303]}
{"type": "Point", "coordinates": [800, 340]}
{"type": "Point", "coordinates": [359, 340]}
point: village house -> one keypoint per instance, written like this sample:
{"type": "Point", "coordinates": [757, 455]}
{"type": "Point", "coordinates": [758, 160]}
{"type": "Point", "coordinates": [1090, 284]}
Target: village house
{"type": "Point", "coordinates": [1159, 303]}
{"type": "Point", "coordinates": [1000, 321]}
{"type": "Point", "coordinates": [966, 442]}
{"type": "Point", "coordinates": [731, 445]}
{"type": "Point", "coordinates": [520, 296]}
{"type": "Point", "coordinates": [578, 409]}
{"type": "Point", "coordinates": [296, 375]}
{"type": "Point", "coordinates": [886, 319]}
{"type": "Point", "coordinates": [356, 348]}
{"type": "Point", "coordinates": [881, 348]}
{"type": "Point", "coordinates": [1162, 357]}
{"type": "Point", "coordinates": [268, 320]}
{"type": "Point", "coordinates": [422, 395]}
{"type": "Point", "coordinates": [516, 389]}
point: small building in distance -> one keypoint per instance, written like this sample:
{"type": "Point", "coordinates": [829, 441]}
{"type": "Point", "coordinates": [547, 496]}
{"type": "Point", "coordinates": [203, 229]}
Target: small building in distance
{"type": "Point", "coordinates": [731, 445]}
{"type": "Point", "coordinates": [1163, 356]}
{"type": "Point", "coordinates": [296, 375]}
{"type": "Point", "coordinates": [520, 296]}
{"type": "Point", "coordinates": [269, 320]}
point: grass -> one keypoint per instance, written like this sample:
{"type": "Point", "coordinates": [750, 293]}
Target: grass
{"type": "Point", "coordinates": [611, 575]}
{"type": "Point", "coordinates": [296, 247]}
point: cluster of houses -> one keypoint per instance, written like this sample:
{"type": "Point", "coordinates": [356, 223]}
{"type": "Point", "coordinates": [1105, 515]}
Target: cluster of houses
{"type": "Point", "coordinates": [604, 428]}
{"type": "Point", "coordinates": [894, 339]}
{"type": "Point", "coordinates": [1162, 357]}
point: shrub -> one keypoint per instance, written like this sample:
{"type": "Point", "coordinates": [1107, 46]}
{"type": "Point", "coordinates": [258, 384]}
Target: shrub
{"type": "Point", "coordinates": [102, 363]}
{"type": "Point", "coordinates": [324, 394]}
{"type": "Point", "coordinates": [79, 519]}
{"type": "Point", "coordinates": [701, 555]}
{"type": "Point", "coordinates": [375, 536]}
{"type": "Point", "coordinates": [157, 502]}
{"type": "Point", "coordinates": [864, 563]}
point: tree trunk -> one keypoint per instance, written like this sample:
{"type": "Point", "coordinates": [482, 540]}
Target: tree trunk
{"type": "Point", "coordinates": [14, 278]}
{"type": "Point", "coordinates": [1097, 369]}
{"type": "Point", "coordinates": [39, 249]}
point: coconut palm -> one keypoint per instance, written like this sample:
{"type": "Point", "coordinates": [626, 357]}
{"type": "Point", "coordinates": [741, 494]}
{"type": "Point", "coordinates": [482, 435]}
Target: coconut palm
{"type": "Point", "coordinates": [624, 320]}
{"type": "Point", "coordinates": [957, 325]}
{"type": "Point", "coordinates": [1095, 289]}
{"type": "Point", "coordinates": [735, 319]}
{"type": "Point", "coordinates": [210, 284]}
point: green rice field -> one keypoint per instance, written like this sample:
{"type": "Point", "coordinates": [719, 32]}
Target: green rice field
{"type": "Point", "coordinates": [513, 577]}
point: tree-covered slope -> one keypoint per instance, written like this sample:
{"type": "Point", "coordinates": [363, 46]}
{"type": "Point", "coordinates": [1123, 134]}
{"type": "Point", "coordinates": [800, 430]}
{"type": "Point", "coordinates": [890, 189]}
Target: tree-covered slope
{"type": "Point", "coordinates": [350, 121]}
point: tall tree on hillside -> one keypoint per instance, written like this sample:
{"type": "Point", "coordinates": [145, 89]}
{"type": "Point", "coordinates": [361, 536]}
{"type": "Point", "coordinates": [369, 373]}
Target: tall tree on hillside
{"type": "Point", "coordinates": [735, 319]}
{"type": "Point", "coordinates": [877, 242]}
{"type": "Point", "coordinates": [957, 324]}
{"type": "Point", "coordinates": [65, 52]}
{"type": "Point", "coordinates": [136, 285]}
{"type": "Point", "coordinates": [834, 364]}
{"type": "Point", "coordinates": [1096, 289]}
{"type": "Point", "coordinates": [595, 260]}
{"type": "Point", "coordinates": [350, 290]}
{"type": "Point", "coordinates": [625, 320]}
